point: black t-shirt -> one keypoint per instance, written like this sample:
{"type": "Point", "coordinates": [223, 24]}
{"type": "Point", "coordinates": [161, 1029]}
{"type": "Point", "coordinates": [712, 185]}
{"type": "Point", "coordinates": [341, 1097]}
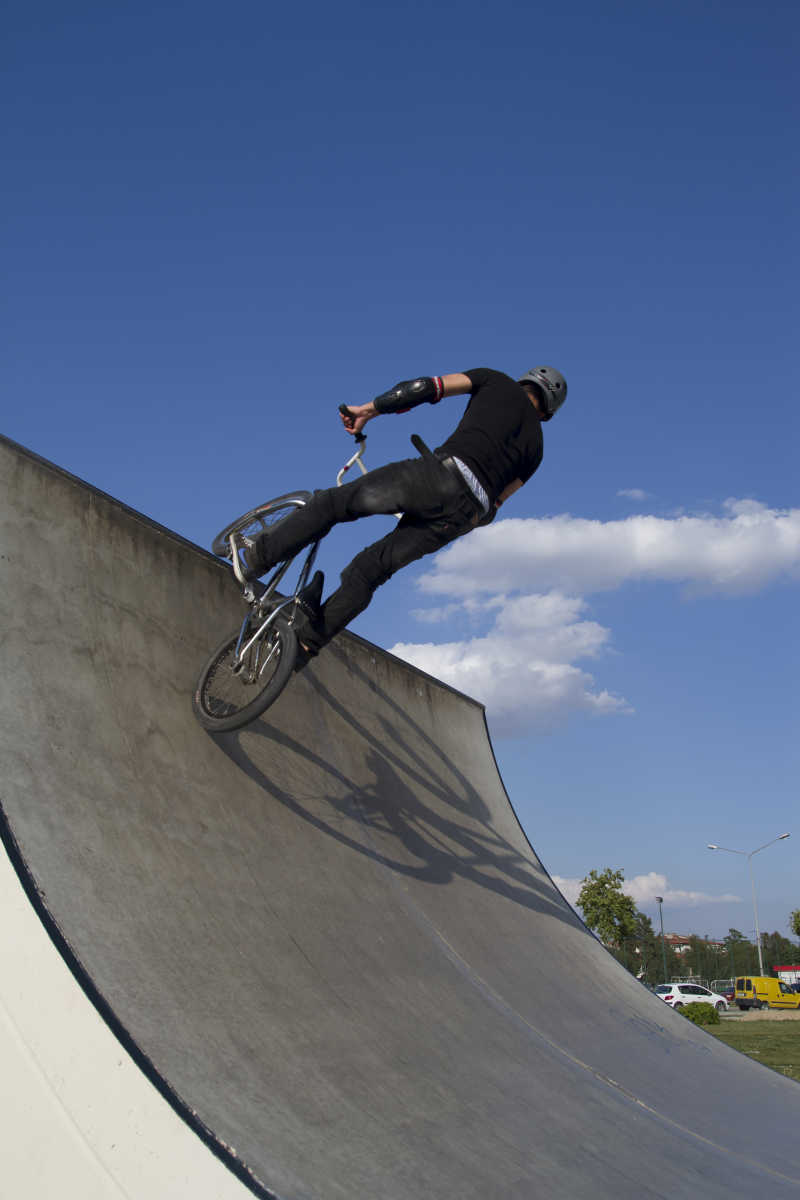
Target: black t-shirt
{"type": "Point", "coordinates": [499, 436]}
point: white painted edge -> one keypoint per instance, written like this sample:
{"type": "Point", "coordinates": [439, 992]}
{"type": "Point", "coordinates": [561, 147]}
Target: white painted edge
{"type": "Point", "coordinates": [78, 1118]}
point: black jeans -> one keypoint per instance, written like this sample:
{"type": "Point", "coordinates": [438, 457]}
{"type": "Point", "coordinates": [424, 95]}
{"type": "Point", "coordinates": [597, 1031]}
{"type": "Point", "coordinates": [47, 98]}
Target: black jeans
{"type": "Point", "coordinates": [436, 504]}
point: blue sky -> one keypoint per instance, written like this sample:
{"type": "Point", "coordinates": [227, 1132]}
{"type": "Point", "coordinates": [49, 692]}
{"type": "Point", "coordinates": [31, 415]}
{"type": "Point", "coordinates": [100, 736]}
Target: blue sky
{"type": "Point", "coordinates": [222, 222]}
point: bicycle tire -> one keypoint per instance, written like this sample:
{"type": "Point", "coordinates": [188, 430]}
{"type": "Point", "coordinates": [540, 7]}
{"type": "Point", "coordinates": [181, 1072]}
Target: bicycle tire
{"type": "Point", "coordinates": [264, 516]}
{"type": "Point", "coordinates": [223, 700]}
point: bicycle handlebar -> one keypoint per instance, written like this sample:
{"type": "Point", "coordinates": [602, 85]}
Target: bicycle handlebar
{"type": "Point", "coordinates": [361, 442]}
{"type": "Point", "coordinates": [360, 437]}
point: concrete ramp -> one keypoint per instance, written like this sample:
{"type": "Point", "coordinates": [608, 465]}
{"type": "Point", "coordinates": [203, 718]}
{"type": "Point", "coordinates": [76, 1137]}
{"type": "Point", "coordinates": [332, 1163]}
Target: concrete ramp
{"type": "Point", "coordinates": [326, 940]}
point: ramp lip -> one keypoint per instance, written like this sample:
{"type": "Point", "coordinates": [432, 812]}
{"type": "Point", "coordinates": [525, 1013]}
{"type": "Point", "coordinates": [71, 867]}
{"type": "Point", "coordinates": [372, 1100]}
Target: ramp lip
{"type": "Point", "coordinates": [84, 485]}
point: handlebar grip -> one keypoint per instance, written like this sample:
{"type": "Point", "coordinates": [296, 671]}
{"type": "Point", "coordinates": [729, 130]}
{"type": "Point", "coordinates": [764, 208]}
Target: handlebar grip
{"type": "Point", "coordinates": [360, 437]}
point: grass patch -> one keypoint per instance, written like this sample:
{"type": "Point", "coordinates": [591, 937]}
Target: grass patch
{"type": "Point", "coordinates": [776, 1044]}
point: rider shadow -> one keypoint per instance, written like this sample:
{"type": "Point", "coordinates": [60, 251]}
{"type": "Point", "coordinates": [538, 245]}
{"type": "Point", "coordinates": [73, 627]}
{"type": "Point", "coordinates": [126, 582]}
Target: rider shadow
{"type": "Point", "coordinates": [435, 842]}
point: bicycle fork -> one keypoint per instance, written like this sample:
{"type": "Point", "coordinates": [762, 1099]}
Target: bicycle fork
{"type": "Point", "coordinates": [245, 645]}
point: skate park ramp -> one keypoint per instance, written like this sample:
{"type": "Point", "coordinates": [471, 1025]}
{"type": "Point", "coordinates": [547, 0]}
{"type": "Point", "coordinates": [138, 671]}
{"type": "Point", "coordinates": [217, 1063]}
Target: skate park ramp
{"type": "Point", "coordinates": [325, 939]}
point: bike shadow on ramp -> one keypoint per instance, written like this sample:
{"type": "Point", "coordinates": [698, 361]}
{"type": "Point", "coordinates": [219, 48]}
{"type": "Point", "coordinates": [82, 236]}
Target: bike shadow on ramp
{"type": "Point", "coordinates": [395, 795]}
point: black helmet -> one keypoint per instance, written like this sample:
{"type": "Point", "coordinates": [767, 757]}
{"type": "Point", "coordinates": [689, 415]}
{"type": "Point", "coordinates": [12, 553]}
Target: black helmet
{"type": "Point", "coordinates": [551, 385]}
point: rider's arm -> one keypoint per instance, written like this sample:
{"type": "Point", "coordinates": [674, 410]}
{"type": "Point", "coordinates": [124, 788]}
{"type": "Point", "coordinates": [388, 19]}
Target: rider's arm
{"type": "Point", "coordinates": [404, 396]}
{"type": "Point", "coordinates": [456, 385]}
{"type": "Point", "coordinates": [427, 389]}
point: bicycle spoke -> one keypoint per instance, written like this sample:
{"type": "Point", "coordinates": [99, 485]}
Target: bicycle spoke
{"type": "Point", "coordinates": [227, 691]}
{"type": "Point", "coordinates": [275, 651]}
{"type": "Point", "coordinates": [233, 691]}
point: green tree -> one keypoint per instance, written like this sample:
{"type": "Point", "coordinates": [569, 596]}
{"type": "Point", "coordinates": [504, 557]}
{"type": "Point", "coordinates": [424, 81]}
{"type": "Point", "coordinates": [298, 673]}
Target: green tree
{"type": "Point", "coordinates": [794, 921]}
{"type": "Point", "coordinates": [741, 955]}
{"type": "Point", "coordinates": [648, 949]}
{"type": "Point", "coordinates": [708, 960]}
{"type": "Point", "coordinates": [698, 959]}
{"type": "Point", "coordinates": [641, 953]}
{"type": "Point", "coordinates": [776, 949]}
{"type": "Point", "coordinates": [606, 909]}
{"type": "Point", "coordinates": [636, 952]}
{"type": "Point", "coordinates": [653, 955]}
{"type": "Point", "coordinates": [675, 967]}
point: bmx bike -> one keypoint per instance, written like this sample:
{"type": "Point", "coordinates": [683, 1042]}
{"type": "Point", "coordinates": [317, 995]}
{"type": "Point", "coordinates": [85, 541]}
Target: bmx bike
{"type": "Point", "coordinates": [251, 667]}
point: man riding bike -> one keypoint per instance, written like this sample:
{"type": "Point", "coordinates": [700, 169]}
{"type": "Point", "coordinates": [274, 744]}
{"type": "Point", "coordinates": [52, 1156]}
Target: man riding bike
{"type": "Point", "coordinates": [493, 451]}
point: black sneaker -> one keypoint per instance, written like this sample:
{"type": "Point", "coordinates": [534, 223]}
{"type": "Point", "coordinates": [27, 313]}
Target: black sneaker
{"type": "Point", "coordinates": [311, 596]}
{"type": "Point", "coordinates": [309, 601]}
{"type": "Point", "coordinates": [255, 556]}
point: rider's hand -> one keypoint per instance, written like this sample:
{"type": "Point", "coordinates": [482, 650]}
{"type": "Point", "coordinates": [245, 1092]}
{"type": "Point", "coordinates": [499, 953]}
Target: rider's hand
{"type": "Point", "coordinates": [355, 416]}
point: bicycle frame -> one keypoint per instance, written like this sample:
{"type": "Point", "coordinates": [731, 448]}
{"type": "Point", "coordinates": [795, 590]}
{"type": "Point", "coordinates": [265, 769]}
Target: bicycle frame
{"type": "Point", "coordinates": [361, 439]}
{"type": "Point", "coordinates": [258, 601]}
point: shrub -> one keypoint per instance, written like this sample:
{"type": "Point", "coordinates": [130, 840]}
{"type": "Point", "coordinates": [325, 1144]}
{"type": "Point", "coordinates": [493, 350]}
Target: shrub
{"type": "Point", "coordinates": [701, 1014]}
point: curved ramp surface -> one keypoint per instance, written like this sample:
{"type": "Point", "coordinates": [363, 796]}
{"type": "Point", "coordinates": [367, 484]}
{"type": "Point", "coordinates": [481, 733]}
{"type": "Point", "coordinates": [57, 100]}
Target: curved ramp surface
{"type": "Point", "coordinates": [326, 938]}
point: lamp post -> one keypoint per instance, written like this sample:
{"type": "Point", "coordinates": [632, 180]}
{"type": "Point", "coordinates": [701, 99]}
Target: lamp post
{"type": "Point", "coordinates": [782, 837]}
{"type": "Point", "coordinates": [659, 902]}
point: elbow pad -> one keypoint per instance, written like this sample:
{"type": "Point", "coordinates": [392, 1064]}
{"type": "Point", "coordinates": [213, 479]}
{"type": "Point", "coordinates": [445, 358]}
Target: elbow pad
{"type": "Point", "coordinates": [409, 394]}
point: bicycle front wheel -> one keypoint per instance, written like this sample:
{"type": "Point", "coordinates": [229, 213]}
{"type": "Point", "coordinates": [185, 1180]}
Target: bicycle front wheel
{"type": "Point", "coordinates": [229, 695]}
{"type": "Point", "coordinates": [258, 520]}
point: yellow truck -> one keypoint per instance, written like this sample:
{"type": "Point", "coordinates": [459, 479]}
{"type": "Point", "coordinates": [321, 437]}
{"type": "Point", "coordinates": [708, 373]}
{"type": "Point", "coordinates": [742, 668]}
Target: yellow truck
{"type": "Point", "coordinates": [760, 991]}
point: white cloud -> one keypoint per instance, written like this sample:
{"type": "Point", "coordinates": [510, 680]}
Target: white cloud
{"type": "Point", "coordinates": [471, 605]}
{"type": "Point", "coordinates": [527, 579]}
{"type": "Point", "coordinates": [633, 494]}
{"type": "Point", "coordinates": [523, 669]}
{"type": "Point", "coordinates": [643, 890]}
{"type": "Point", "coordinates": [740, 552]}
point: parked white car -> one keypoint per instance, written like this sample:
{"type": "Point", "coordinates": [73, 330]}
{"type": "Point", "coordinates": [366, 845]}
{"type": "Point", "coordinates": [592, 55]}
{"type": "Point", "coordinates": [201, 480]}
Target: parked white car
{"type": "Point", "coordinates": [678, 994]}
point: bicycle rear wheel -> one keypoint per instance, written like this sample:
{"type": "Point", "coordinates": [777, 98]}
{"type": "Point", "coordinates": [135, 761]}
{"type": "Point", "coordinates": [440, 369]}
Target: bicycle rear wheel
{"type": "Point", "coordinates": [225, 698]}
{"type": "Point", "coordinates": [250, 524]}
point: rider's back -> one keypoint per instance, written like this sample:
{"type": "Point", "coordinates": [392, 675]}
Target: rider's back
{"type": "Point", "coordinates": [499, 436]}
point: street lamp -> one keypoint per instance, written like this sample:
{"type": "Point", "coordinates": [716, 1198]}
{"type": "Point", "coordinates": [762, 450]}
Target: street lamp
{"type": "Point", "coordinates": [659, 902]}
{"type": "Point", "coordinates": [749, 858]}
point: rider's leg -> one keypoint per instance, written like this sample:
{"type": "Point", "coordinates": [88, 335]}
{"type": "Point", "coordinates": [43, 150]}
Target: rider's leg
{"type": "Point", "coordinates": [408, 541]}
{"type": "Point", "coordinates": [421, 487]}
